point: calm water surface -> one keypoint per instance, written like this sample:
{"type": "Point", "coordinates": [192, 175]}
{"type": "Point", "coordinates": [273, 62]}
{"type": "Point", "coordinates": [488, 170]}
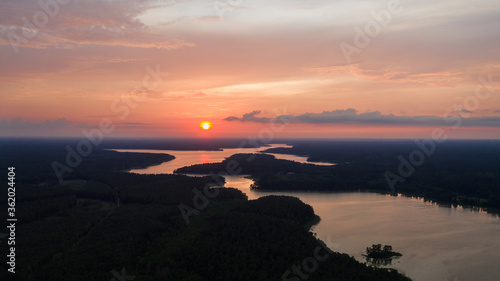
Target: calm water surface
{"type": "Point", "coordinates": [191, 157]}
{"type": "Point", "coordinates": [437, 243]}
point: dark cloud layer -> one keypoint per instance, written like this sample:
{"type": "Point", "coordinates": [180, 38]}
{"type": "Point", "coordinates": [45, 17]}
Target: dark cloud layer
{"type": "Point", "coordinates": [352, 116]}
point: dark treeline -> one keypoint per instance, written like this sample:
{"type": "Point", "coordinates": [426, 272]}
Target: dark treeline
{"type": "Point", "coordinates": [34, 160]}
{"type": "Point", "coordinates": [176, 144]}
{"type": "Point", "coordinates": [255, 164]}
{"type": "Point", "coordinates": [456, 173]}
{"type": "Point", "coordinates": [463, 172]}
{"type": "Point", "coordinates": [100, 219]}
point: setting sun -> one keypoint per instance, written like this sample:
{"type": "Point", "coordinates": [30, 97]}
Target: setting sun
{"type": "Point", "coordinates": [206, 125]}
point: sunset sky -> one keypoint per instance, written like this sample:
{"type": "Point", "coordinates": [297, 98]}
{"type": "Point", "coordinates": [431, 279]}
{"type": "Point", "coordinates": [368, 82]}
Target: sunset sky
{"type": "Point", "coordinates": [331, 69]}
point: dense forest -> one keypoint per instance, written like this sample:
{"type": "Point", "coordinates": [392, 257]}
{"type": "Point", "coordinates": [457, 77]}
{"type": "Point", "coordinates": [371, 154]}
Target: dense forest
{"type": "Point", "coordinates": [101, 223]}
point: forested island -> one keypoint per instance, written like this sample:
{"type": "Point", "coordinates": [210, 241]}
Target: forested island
{"type": "Point", "coordinates": [378, 256]}
{"type": "Point", "coordinates": [100, 222]}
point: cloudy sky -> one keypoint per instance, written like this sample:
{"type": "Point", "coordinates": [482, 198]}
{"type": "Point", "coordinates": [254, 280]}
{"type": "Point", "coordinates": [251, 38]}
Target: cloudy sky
{"type": "Point", "coordinates": [336, 68]}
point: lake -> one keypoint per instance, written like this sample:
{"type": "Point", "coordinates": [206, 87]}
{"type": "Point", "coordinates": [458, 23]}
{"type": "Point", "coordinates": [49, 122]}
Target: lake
{"type": "Point", "coordinates": [437, 243]}
{"type": "Point", "coordinates": [190, 157]}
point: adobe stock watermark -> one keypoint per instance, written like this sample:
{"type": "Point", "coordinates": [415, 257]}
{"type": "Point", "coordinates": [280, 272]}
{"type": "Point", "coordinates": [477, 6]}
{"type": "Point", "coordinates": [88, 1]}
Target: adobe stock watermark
{"type": "Point", "coordinates": [39, 19]}
{"type": "Point", "coordinates": [364, 36]}
{"type": "Point", "coordinates": [427, 147]}
{"type": "Point", "coordinates": [201, 200]}
{"type": "Point", "coordinates": [223, 7]}
{"type": "Point", "coordinates": [121, 276]}
{"type": "Point", "coordinates": [331, 244]}
{"type": "Point", "coordinates": [94, 137]}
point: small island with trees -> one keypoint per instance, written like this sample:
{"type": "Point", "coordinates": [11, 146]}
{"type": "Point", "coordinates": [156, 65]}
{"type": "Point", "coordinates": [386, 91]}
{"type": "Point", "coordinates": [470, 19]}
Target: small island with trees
{"type": "Point", "coordinates": [376, 255]}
